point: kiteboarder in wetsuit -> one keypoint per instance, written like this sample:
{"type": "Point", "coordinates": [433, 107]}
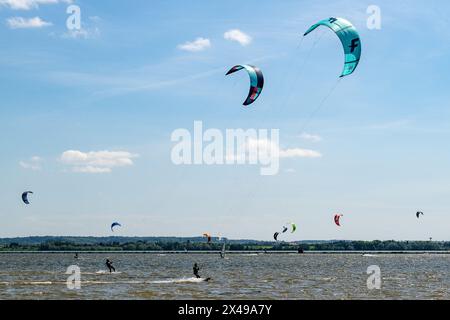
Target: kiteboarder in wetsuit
{"type": "Point", "coordinates": [110, 266]}
{"type": "Point", "coordinates": [196, 269]}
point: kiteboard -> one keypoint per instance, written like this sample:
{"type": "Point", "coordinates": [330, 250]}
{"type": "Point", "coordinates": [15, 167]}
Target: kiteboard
{"type": "Point", "coordinates": [104, 272]}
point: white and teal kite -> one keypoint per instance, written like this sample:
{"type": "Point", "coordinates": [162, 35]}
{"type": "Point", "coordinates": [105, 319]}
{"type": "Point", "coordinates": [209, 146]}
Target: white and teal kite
{"type": "Point", "coordinates": [349, 38]}
{"type": "Point", "coordinates": [256, 81]}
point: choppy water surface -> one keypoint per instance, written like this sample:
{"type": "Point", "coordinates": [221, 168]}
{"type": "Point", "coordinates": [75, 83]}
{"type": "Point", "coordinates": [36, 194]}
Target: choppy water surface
{"type": "Point", "coordinates": [239, 276]}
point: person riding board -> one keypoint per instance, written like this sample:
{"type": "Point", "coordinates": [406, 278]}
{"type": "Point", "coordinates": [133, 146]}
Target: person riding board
{"type": "Point", "coordinates": [110, 266]}
{"type": "Point", "coordinates": [196, 269]}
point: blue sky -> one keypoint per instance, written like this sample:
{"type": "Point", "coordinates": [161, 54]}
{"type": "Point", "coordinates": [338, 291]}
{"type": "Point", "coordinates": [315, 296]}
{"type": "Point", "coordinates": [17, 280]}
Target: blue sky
{"type": "Point", "coordinates": [125, 82]}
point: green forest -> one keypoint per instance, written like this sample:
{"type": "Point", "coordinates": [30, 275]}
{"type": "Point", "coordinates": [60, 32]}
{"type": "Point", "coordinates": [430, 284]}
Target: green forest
{"type": "Point", "coordinates": [79, 244]}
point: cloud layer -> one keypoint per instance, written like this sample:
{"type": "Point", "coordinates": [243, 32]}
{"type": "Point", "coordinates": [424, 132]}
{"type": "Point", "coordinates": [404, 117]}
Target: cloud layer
{"type": "Point", "coordinates": [299, 153]}
{"type": "Point", "coordinates": [198, 44]}
{"type": "Point", "coordinates": [34, 163]}
{"type": "Point", "coordinates": [29, 4]}
{"type": "Point", "coordinates": [310, 137]}
{"type": "Point", "coordinates": [269, 147]}
{"type": "Point", "coordinates": [96, 161]}
{"type": "Point", "coordinates": [23, 23]}
{"type": "Point", "coordinates": [253, 147]}
{"type": "Point", "coordinates": [82, 34]}
{"type": "Point", "coordinates": [238, 36]}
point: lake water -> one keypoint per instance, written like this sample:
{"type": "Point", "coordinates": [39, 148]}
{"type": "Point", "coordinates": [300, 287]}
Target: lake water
{"type": "Point", "coordinates": [238, 276]}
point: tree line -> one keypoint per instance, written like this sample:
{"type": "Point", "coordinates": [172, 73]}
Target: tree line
{"type": "Point", "coordinates": [377, 245]}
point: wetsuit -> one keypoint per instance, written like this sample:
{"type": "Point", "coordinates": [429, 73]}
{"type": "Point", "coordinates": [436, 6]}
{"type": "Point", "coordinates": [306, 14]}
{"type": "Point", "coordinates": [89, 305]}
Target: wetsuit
{"type": "Point", "coordinates": [196, 269]}
{"type": "Point", "coordinates": [110, 266]}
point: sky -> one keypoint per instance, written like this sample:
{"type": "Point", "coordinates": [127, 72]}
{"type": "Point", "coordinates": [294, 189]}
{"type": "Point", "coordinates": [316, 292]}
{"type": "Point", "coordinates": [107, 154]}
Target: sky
{"type": "Point", "coordinates": [86, 118]}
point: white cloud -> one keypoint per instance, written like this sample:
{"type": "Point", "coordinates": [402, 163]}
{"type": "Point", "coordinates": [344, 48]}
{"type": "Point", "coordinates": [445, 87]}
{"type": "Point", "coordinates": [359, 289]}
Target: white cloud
{"type": "Point", "coordinates": [34, 163]}
{"type": "Point", "coordinates": [29, 4]}
{"type": "Point", "coordinates": [238, 36]}
{"type": "Point", "coordinates": [198, 44]}
{"type": "Point", "coordinates": [299, 153]}
{"type": "Point", "coordinates": [267, 147]}
{"type": "Point", "coordinates": [82, 33]}
{"type": "Point", "coordinates": [311, 137]}
{"type": "Point", "coordinates": [22, 23]}
{"type": "Point", "coordinates": [96, 161]}
{"type": "Point", "coordinates": [91, 169]}
{"type": "Point", "coordinates": [264, 145]}
{"type": "Point", "coordinates": [90, 30]}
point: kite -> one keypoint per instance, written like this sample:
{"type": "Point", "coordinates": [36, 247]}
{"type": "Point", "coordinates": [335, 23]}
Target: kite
{"type": "Point", "coordinates": [115, 224]}
{"type": "Point", "coordinates": [256, 81]}
{"type": "Point", "coordinates": [337, 218]}
{"type": "Point", "coordinates": [275, 236]}
{"type": "Point", "coordinates": [25, 196]}
{"type": "Point", "coordinates": [208, 236]}
{"type": "Point", "coordinates": [349, 38]}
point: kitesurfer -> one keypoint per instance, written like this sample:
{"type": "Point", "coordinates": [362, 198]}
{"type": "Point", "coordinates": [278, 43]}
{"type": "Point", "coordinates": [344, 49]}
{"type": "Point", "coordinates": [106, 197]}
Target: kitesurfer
{"type": "Point", "coordinates": [196, 269]}
{"type": "Point", "coordinates": [110, 266]}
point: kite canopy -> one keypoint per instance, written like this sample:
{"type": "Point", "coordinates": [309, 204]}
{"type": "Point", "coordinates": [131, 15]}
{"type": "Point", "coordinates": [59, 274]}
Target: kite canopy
{"type": "Point", "coordinates": [337, 218]}
{"type": "Point", "coordinates": [208, 236]}
{"type": "Point", "coordinates": [256, 81]}
{"type": "Point", "coordinates": [25, 196]}
{"type": "Point", "coordinates": [275, 236]}
{"type": "Point", "coordinates": [418, 213]}
{"type": "Point", "coordinates": [285, 229]}
{"type": "Point", "coordinates": [115, 224]}
{"type": "Point", "coordinates": [293, 227]}
{"type": "Point", "coordinates": [349, 38]}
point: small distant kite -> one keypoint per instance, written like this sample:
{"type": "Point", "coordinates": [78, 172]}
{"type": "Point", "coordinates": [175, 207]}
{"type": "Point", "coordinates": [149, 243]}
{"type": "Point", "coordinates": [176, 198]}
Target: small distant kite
{"type": "Point", "coordinates": [293, 227]}
{"type": "Point", "coordinates": [256, 81]}
{"type": "Point", "coordinates": [285, 229]}
{"type": "Point", "coordinates": [337, 218]}
{"type": "Point", "coordinates": [418, 213]}
{"type": "Point", "coordinates": [115, 224]}
{"type": "Point", "coordinates": [25, 196]}
{"type": "Point", "coordinates": [349, 38]}
{"type": "Point", "coordinates": [207, 236]}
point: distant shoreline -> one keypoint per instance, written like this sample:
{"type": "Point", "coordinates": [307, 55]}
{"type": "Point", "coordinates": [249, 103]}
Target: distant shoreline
{"type": "Point", "coordinates": [175, 245]}
{"type": "Point", "coordinates": [258, 252]}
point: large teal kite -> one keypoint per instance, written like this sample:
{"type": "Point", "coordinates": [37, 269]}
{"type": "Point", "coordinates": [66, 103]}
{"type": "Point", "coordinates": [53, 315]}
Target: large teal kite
{"type": "Point", "coordinates": [349, 38]}
{"type": "Point", "coordinates": [256, 81]}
